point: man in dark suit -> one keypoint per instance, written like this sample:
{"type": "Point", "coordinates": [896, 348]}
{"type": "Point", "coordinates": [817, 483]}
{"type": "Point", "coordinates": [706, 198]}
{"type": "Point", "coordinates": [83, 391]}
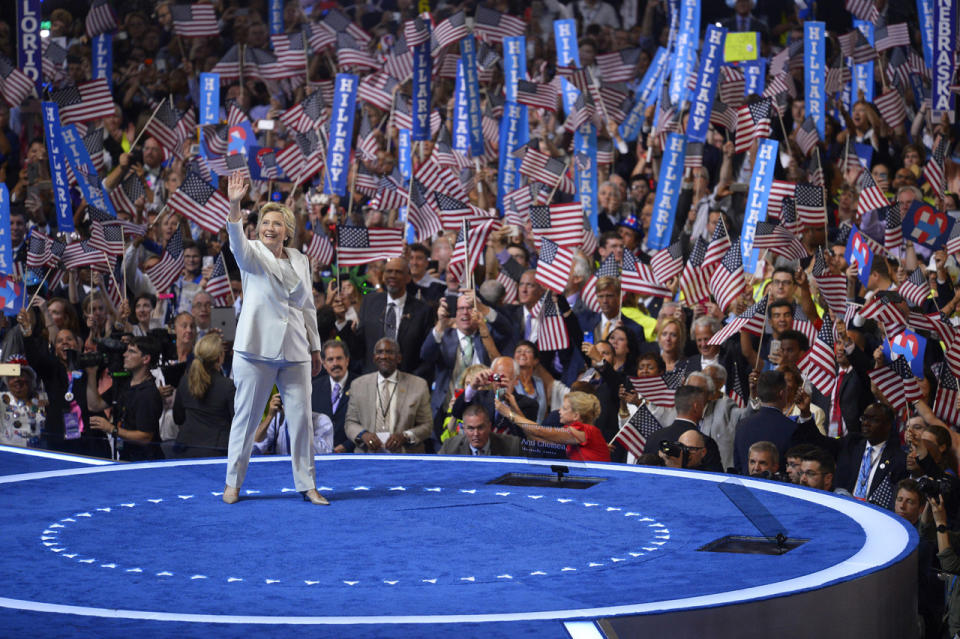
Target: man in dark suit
{"type": "Point", "coordinates": [394, 314]}
{"type": "Point", "coordinates": [872, 474]}
{"type": "Point", "coordinates": [609, 317]}
{"type": "Point", "coordinates": [768, 423]}
{"type": "Point", "coordinates": [331, 391]}
{"type": "Point", "coordinates": [851, 395]}
{"type": "Point", "coordinates": [502, 376]}
{"type": "Point", "coordinates": [744, 20]}
{"type": "Point", "coordinates": [690, 402]}
{"type": "Point", "coordinates": [477, 437]}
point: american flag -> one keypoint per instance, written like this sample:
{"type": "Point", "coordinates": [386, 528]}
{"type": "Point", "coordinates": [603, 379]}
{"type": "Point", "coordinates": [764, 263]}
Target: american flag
{"type": "Point", "coordinates": [731, 88]}
{"type": "Point", "coordinates": [492, 26]}
{"type": "Point", "coordinates": [727, 280]}
{"type": "Point", "coordinates": [915, 289]}
{"type": "Point", "coordinates": [359, 245]}
{"type": "Point", "coordinates": [264, 65]}
{"type": "Point", "coordinates": [542, 96]}
{"type": "Point", "coordinates": [719, 245]}
{"type": "Point", "coordinates": [893, 227]}
{"type": "Point", "coordinates": [201, 203]}
{"type": "Point", "coordinates": [378, 89]}
{"type": "Point", "coordinates": [554, 266]}
{"type": "Point", "coordinates": [855, 45]}
{"type": "Point", "coordinates": [349, 53]}
{"type": "Point", "coordinates": [695, 279]}
{"type": "Point", "coordinates": [194, 20]}
{"type": "Point", "coordinates": [659, 389]}
{"type": "Point", "coordinates": [887, 313]}
{"type": "Point", "coordinates": [219, 283]}
{"type": "Point", "coordinates": [751, 320]}
{"type": "Point", "coordinates": [449, 31]}
{"type": "Point", "coordinates": [543, 168]}
{"type": "Point", "coordinates": [367, 139]}
{"type": "Point", "coordinates": [85, 101]}
{"type": "Point", "coordinates": [81, 254]}
{"type": "Point", "coordinates": [811, 207]}
{"type": "Point", "coordinates": [667, 263]}
{"type": "Point", "coordinates": [398, 62]}
{"type": "Point", "coordinates": [935, 324]}
{"type": "Point", "coordinates": [319, 37]}
{"type": "Point", "coordinates": [891, 107]}
{"type": "Point", "coordinates": [779, 241]}
{"type": "Point", "coordinates": [107, 236]}
{"type": "Point", "coordinates": [803, 324]}
{"type": "Point", "coordinates": [304, 157]}
{"type": "Point", "coordinates": [452, 211]}
{"type": "Point", "coordinates": [125, 195]}
{"type": "Point", "coordinates": [582, 112]}
{"type": "Point", "coordinates": [948, 392]}
{"type": "Point", "coordinates": [93, 142]}
{"type": "Point", "coordinates": [53, 61]}
{"type": "Point", "coordinates": [896, 383]}
{"type": "Point", "coordinates": [403, 117]}
{"type": "Point", "coordinates": [229, 65]}
{"type": "Point", "coordinates": [633, 435]}
{"type": "Point", "coordinates": [638, 278]}
{"type": "Point", "coordinates": [38, 249]}
{"type": "Point", "coordinates": [291, 51]}
{"type": "Point", "coordinates": [319, 249]}
{"type": "Point", "coordinates": [618, 66]}
{"type": "Point", "coordinates": [165, 272]}
{"type": "Point", "coordinates": [933, 170]}
{"type": "Point", "coordinates": [472, 245]}
{"type": "Point", "coordinates": [872, 196]}
{"type": "Point", "coordinates": [561, 223]}
{"type": "Point", "coordinates": [863, 9]}
{"type": "Point", "coordinates": [837, 78]}
{"type": "Point", "coordinates": [692, 159]}
{"type": "Point", "coordinates": [15, 86]}
{"type": "Point", "coordinates": [753, 122]}
{"type": "Point", "coordinates": [215, 138]}
{"type": "Point", "coordinates": [509, 275]}
{"type": "Point", "coordinates": [788, 216]}
{"type": "Point", "coordinates": [723, 116]}
{"type": "Point", "coordinates": [807, 136]}
{"type": "Point", "coordinates": [416, 31]}
{"type": "Point", "coordinates": [267, 159]}
{"type": "Point", "coordinates": [337, 22]}
{"type": "Point", "coordinates": [423, 217]}
{"type": "Point", "coordinates": [553, 335]}
{"type": "Point", "coordinates": [306, 115]}
{"type": "Point", "coordinates": [169, 126]}
{"type": "Point", "coordinates": [113, 280]}
{"type": "Point", "coordinates": [890, 36]}
{"type": "Point", "coordinates": [819, 365]}
{"type": "Point", "coordinates": [100, 18]}
{"type": "Point", "coordinates": [832, 286]}
{"type": "Point", "coordinates": [898, 69]}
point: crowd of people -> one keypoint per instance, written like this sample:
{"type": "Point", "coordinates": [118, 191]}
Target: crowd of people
{"type": "Point", "coordinates": [812, 368]}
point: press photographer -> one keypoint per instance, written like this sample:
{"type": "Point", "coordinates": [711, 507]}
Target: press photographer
{"type": "Point", "coordinates": [928, 459]}
{"type": "Point", "coordinates": [135, 403]}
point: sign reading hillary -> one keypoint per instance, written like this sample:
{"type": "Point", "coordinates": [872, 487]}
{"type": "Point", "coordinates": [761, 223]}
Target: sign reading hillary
{"type": "Point", "coordinates": [925, 225]}
{"type": "Point", "coordinates": [405, 153]}
{"type": "Point", "coordinates": [925, 15]}
{"type": "Point", "coordinates": [688, 29]}
{"type": "Point", "coordinates": [422, 89]}
{"type": "Point", "coordinates": [514, 132]}
{"type": "Point", "coordinates": [756, 209]}
{"type": "Point", "coordinates": [699, 121]}
{"type": "Point", "coordinates": [814, 95]}
{"type": "Point", "coordinates": [514, 65]}
{"type": "Point", "coordinates": [754, 75]}
{"type": "Point", "coordinates": [668, 191]}
{"type": "Point", "coordinates": [103, 58]}
{"type": "Point", "coordinates": [565, 37]}
{"type": "Point", "coordinates": [209, 98]}
{"type": "Point", "coordinates": [471, 83]}
{"type": "Point", "coordinates": [645, 96]}
{"type": "Point", "coordinates": [944, 20]}
{"type": "Point", "coordinates": [58, 167]}
{"type": "Point", "coordinates": [908, 345]}
{"type": "Point", "coordinates": [84, 170]}
{"type": "Point", "coordinates": [585, 169]}
{"type": "Point", "coordinates": [858, 252]}
{"type": "Point", "coordinates": [276, 16]}
{"type": "Point", "coordinates": [461, 117]}
{"type": "Point", "coordinates": [6, 243]}
{"type": "Point", "coordinates": [863, 72]}
{"type": "Point", "coordinates": [341, 133]}
{"type": "Point", "coordinates": [28, 39]}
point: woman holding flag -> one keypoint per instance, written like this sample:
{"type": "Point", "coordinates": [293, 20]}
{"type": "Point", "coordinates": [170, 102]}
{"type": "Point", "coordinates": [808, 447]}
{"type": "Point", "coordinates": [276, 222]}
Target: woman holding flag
{"type": "Point", "coordinates": [276, 343]}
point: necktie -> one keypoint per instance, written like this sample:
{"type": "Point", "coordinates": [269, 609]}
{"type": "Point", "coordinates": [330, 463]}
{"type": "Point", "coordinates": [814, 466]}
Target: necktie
{"type": "Point", "coordinates": [383, 412]}
{"type": "Point", "coordinates": [335, 398]}
{"type": "Point", "coordinates": [860, 490]}
{"type": "Point", "coordinates": [528, 326]}
{"type": "Point", "coordinates": [467, 347]}
{"type": "Point", "coordinates": [836, 416]}
{"type": "Point", "coordinates": [476, 452]}
{"type": "Point", "coordinates": [606, 329]}
{"type": "Point", "coordinates": [390, 322]}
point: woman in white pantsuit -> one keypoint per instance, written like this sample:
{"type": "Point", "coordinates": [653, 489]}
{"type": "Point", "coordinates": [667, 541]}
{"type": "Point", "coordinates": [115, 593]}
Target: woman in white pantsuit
{"type": "Point", "coordinates": [276, 342]}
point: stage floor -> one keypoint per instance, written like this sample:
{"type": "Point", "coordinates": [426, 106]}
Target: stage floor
{"type": "Point", "coordinates": [410, 546]}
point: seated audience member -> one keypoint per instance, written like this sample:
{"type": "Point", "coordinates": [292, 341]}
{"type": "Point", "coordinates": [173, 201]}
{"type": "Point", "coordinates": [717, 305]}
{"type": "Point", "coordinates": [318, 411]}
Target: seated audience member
{"type": "Point", "coordinates": [273, 436]}
{"type": "Point", "coordinates": [331, 392]}
{"type": "Point", "coordinates": [584, 441]}
{"type": "Point", "coordinates": [929, 456]}
{"type": "Point", "coordinates": [389, 409]}
{"type": "Point", "coordinates": [477, 437]}
{"type": "Point", "coordinates": [768, 423]}
{"type": "Point", "coordinates": [203, 405]}
{"type": "Point", "coordinates": [763, 460]}
{"type": "Point", "coordinates": [947, 542]}
{"type": "Point", "coordinates": [794, 460]}
{"type": "Point", "coordinates": [482, 390]}
{"type": "Point", "coordinates": [817, 470]}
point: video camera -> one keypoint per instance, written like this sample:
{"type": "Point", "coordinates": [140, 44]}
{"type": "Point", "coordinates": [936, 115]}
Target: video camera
{"type": "Point", "coordinates": [167, 342]}
{"type": "Point", "coordinates": [933, 488]}
{"type": "Point", "coordinates": [109, 354]}
{"type": "Point", "coordinates": [676, 449]}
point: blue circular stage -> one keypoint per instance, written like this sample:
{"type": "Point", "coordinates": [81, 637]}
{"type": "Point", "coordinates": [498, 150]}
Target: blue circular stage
{"type": "Point", "coordinates": [409, 541]}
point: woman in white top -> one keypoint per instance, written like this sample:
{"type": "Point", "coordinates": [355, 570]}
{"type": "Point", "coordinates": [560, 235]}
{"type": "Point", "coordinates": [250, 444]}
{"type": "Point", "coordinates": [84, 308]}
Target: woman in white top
{"type": "Point", "coordinates": [276, 342]}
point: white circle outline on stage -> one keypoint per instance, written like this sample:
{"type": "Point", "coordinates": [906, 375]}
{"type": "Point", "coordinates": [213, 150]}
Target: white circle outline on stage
{"type": "Point", "coordinates": [885, 544]}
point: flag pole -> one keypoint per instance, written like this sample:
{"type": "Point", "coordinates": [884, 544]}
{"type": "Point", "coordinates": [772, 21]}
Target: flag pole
{"type": "Point", "coordinates": [144, 129]}
{"type": "Point", "coordinates": [112, 276]}
{"type": "Point", "coordinates": [823, 187]}
{"type": "Point", "coordinates": [353, 180]}
{"type": "Point", "coordinates": [39, 286]}
{"type": "Point", "coordinates": [566, 165]}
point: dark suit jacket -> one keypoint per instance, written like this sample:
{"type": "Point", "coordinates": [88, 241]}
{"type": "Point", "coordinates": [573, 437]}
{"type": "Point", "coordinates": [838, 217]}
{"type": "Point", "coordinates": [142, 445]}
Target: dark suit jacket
{"type": "Point", "coordinates": [413, 327]}
{"type": "Point", "coordinates": [767, 424]}
{"type": "Point", "coordinates": [571, 360]}
{"type": "Point", "coordinates": [528, 406]}
{"type": "Point", "coordinates": [323, 403]}
{"type": "Point", "coordinates": [500, 445]}
{"type": "Point", "coordinates": [893, 467]}
{"type": "Point", "coordinates": [671, 433]}
{"type": "Point", "coordinates": [591, 321]}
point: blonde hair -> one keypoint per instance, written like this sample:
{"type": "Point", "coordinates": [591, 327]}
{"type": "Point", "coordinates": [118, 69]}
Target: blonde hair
{"type": "Point", "coordinates": [585, 405]}
{"type": "Point", "coordinates": [289, 219]}
{"type": "Point", "coordinates": [681, 330]}
{"type": "Point", "coordinates": [206, 355]}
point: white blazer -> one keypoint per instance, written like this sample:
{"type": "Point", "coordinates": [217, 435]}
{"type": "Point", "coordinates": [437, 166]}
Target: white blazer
{"type": "Point", "coordinates": [272, 321]}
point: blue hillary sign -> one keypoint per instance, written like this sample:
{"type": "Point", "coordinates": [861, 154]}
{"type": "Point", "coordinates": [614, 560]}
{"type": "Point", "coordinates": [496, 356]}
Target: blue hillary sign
{"type": "Point", "coordinates": [84, 170]}
{"type": "Point", "coordinates": [422, 90]}
{"type": "Point", "coordinates": [471, 84]}
{"type": "Point", "coordinates": [668, 191]}
{"type": "Point", "coordinates": [645, 95]}
{"type": "Point", "coordinates": [863, 73]}
{"type": "Point", "coordinates": [103, 57]}
{"type": "Point", "coordinates": [925, 15]}
{"type": "Point", "coordinates": [6, 242]}
{"type": "Point", "coordinates": [585, 169]}
{"type": "Point", "coordinates": [814, 98]}
{"type": "Point", "coordinates": [341, 133]}
{"type": "Point", "coordinates": [925, 225]}
{"type": "Point", "coordinates": [514, 132]}
{"type": "Point", "coordinates": [58, 167]}
{"type": "Point", "coordinates": [756, 209]}
{"type": "Point", "coordinates": [514, 65]}
{"type": "Point", "coordinates": [688, 28]}
{"type": "Point", "coordinates": [754, 76]}
{"type": "Point", "coordinates": [276, 16]}
{"type": "Point", "coordinates": [565, 37]}
{"type": "Point", "coordinates": [404, 149]}
{"type": "Point", "coordinates": [908, 345]}
{"type": "Point", "coordinates": [209, 98]}
{"type": "Point", "coordinates": [461, 115]}
{"type": "Point", "coordinates": [703, 96]}
{"type": "Point", "coordinates": [858, 252]}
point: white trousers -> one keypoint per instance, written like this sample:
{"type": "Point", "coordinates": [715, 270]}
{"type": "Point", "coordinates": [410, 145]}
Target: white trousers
{"type": "Point", "coordinates": [254, 379]}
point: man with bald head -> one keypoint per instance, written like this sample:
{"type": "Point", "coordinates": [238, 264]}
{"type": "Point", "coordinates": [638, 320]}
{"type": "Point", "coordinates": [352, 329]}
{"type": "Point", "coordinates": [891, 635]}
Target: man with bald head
{"type": "Point", "coordinates": [390, 313]}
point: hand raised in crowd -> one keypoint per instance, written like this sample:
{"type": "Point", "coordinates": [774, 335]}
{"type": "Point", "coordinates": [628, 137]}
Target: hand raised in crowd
{"type": "Point", "coordinates": [878, 356]}
{"type": "Point", "coordinates": [444, 320]}
{"type": "Point", "coordinates": [629, 396]}
{"type": "Point", "coordinates": [236, 187]}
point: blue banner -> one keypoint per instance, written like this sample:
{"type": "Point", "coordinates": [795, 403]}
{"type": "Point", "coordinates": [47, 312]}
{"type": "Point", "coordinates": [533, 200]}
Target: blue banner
{"type": "Point", "coordinates": [461, 115]}
{"type": "Point", "coordinates": [858, 252]}
{"type": "Point", "coordinates": [58, 167]}
{"type": "Point", "coordinates": [668, 191]}
{"type": "Point", "coordinates": [514, 131]}
{"type": "Point", "coordinates": [28, 39]}
{"type": "Point", "coordinates": [756, 209]}
{"type": "Point", "coordinates": [84, 170]}
{"type": "Point", "coordinates": [423, 91]}
{"type": "Point", "coordinates": [565, 37]}
{"type": "Point", "coordinates": [688, 30]}
{"type": "Point", "coordinates": [754, 76]}
{"type": "Point", "coordinates": [103, 58]}
{"type": "Point", "coordinates": [471, 83]}
{"type": "Point", "coordinates": [341, 133]}
{"type": "Point", "coordinates": [6, 242]}
{"type": "Point", "coordinates": [405, 152]}
{"type": "Point", "coordinates": [864, 153]}
{"type": "Point", "coordinates": [944, 16]}
{"type": "Point", "coordinates": [925, 225]}
{"type": "Point", "coordinates": [646, 95]}
{"type": "Point", "coordinates": [585, 169]}
{"type": "Point", "coordinates": [699, 121]}
{"type": "Point", "coordinates": [908, 345]}
{"type": "Point", "coordinates": [276, 17]}
{"type": "Point", "coordinates": [863, 73]}
{"type": "Point", "coordinates": [209, 98]}
{"type": "Point", "coordinates": [925, 14]}
{"type": "Point", "coordinates": [514, 65]}
{"type": "Point", "coordinates": [814, 98]}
